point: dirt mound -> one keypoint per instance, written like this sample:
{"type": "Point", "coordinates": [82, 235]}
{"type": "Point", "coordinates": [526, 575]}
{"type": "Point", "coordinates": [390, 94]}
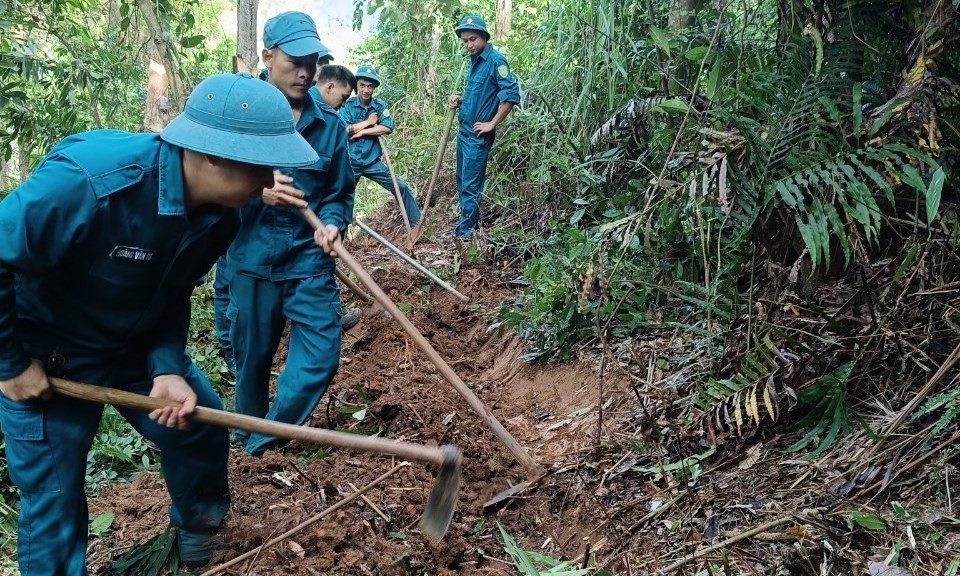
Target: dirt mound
{"type": "Point", "coordinates": [387, 387]}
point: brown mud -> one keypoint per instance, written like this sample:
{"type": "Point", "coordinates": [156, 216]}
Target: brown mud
{"type": "Point", "coordinates": [605, 431]}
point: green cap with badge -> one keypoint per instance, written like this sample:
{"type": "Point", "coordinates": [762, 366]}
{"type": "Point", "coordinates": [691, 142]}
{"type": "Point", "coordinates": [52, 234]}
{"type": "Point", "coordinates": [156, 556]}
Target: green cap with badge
{"type": "Point", "coordinates": [369, 73]}
{"type": "Point", "coordinates": [474, 23]}
{"type": "Point", "coordinates": [240, 118]}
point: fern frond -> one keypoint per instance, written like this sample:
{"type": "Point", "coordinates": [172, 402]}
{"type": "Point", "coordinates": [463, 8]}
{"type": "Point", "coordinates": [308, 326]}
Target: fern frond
{"type": "Point", "coordinates": [750, 396]}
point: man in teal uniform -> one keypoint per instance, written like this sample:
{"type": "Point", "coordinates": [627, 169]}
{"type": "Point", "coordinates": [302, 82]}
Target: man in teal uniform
{"type": "Point", "coordinates": [368, 119]}
{"type": "Point", "coordinates": [333, 86]}
{"type": "Point", "coordinates": [221, 282]}
{"type": "Point", "coordinates": [490, 96]}
{"type": "Point", "coordinates": [278, 272]}
{"type": "Point", "coordinates": [101, 250]}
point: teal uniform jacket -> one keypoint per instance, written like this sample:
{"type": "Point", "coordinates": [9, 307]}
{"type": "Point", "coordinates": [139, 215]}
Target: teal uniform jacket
{"type": "Point", "coordinates": [101, 247]}
{"type": "Point", "coordinates": [489, 83]}
{"type": "Point", "coordinates": [365, 152]}
{"type": "Point", "coordinates": [276, 243]}
{"type": "Point", "coordinates": [278, 273]}
{"type": "Point", "coordinates": [98, 258]}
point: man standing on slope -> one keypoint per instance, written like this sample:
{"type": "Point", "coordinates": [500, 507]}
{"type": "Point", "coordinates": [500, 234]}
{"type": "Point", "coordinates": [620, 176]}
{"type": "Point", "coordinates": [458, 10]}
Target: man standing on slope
{"type": "Point", "coordinates": [490, 95]}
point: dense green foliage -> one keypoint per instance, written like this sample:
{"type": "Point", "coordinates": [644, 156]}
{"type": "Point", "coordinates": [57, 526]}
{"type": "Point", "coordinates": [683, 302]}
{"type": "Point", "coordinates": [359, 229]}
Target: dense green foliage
{"type": "Point", "coordinates": [703, 178]}
{"type": "Point", "coordinates": [663, 177]}
{"type": "Point", "coordinates": [68, 66]}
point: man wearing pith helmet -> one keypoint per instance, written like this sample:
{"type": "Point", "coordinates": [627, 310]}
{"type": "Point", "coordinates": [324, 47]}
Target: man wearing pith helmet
{"type": "Point", "coordinates": [102, 246]}
{"type": "Point", "coordinates": [278, 271]}
{"type": "Point", "coordinates": [490, 95]}
{"type": "Point", "coordinates": [368, 119]}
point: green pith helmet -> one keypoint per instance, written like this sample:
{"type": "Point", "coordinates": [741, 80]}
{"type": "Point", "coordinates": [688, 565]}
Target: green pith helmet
{"type": "Point", "coordinates": [241, 118]}
{"type": "Point", "coordinates": [368, 72]}
{"type": "Point", "coordinates": [474, 23]}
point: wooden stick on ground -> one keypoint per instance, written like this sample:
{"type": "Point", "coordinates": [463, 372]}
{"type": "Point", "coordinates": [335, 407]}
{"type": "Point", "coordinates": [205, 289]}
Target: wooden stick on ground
{"type": "Point", "coordinates": [518, 451]}
{"type": "Point", "coordinates": [733, 540]}
{"type": "Point", "coordinates": [369, 503]}
{"type": "Point", "coordinates": [326, 512]}
{"type": "Point", "coordinates": [911, 406]}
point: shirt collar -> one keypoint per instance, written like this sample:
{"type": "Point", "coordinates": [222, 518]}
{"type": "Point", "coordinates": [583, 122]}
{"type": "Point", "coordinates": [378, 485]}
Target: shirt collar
{"type": "Point", "coordinates": [311, 113]}
{"type": "Point", "coordinates": [485, 53]}
{"type": "Point", "coordinates": [171, 195]}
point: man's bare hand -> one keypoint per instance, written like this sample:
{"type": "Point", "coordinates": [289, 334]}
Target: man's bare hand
{"type": "Point", "coordinates": [373, 119]}
{"type": "Point", "coordinates": [173, 387]}
{"type": "Point", "coordinates": [326, 237]}
{"type": "Point", "coordinates": [31, 384]}
{"type": "Point", "coordinates": [481, 128]}
{"type": "Point", "coordinates": [282, 193]}
{"type": "Point", "coordinates": [454, 101]}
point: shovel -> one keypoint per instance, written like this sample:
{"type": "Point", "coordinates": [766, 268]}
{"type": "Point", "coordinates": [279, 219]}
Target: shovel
{"type": "Point", "coordinates": [443, 498]}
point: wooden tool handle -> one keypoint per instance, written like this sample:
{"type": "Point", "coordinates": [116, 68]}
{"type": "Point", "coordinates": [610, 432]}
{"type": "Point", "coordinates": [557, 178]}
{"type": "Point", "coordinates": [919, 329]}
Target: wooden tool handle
{"type": "Point", "coordinates": [436, 167]}
{"type": "Point", "coordinates": [396, 186]}
{"type": "Point", "coordinates": [407, 450]}
{"type": "Point", "coordinates": [445, 370]}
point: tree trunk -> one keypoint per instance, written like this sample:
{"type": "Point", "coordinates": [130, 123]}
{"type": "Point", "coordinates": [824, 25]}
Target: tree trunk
{"type": "Point", "coordinates": [247, 57]}
{"type": "Point", "coordinates": [155, 115]}
{"type": "Point", "coordinates": [431, 80]}
{"type": "Point", "coordinates": [23, 158]}
{"type": "Point", "coordinates": [504, 15]}
{"type": "Point", "coordinates": [680, 14]}
{"type": "Point", "coordinates": [113, 13]}
{"type": "Point", "coordinates": [161, 71]}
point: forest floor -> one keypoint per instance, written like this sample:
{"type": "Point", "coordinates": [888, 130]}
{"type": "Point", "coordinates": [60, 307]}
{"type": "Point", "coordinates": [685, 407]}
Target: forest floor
{"type": "Point", "coordinates": [618, 494]}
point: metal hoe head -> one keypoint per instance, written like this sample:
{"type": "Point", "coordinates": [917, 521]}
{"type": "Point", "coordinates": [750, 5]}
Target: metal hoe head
{"type": "Point", "coordinates": [443, 499]}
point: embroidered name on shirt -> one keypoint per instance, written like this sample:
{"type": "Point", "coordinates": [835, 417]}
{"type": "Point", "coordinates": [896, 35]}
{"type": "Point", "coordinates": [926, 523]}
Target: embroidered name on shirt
{"type": "Point", "coordinates": [131, 253]}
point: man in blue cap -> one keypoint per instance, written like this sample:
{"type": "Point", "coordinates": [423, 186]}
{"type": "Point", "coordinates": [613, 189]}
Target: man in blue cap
{"type": "Point", "coordinates": [221, 282]}
{"type": "Point", "coordinates": [102, 246]}
{"type": "Point", "coordinates": [491, 93]}
{"type": "Point", "coordinates": [279, 272]}
{"type": "Point", "coordinates": [368, 119]}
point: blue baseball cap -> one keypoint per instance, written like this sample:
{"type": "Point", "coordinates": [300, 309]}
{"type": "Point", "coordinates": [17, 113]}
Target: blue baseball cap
{"type": "Point", "coordinates": [324, 52]}
{"type": "Point", "coordinates": [474, 23]}
{"type": "Point", "coordinates": [368, 72]}
{"type": "Point", "coordinates": [241, 118]}
{"type": "Point", "coordinates": [294, 33]}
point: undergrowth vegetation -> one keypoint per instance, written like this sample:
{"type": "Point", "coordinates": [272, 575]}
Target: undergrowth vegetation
{"type": "Point", "coordinates": [769, 188]}
{"type": "Point", "coordinates": [777, 188]}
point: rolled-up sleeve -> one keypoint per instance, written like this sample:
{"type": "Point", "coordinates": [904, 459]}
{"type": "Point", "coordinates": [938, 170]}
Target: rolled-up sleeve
{"type": "Point", "coordinates": [385, 118]}
{"type": "Point", "coordinates": [509, 90]}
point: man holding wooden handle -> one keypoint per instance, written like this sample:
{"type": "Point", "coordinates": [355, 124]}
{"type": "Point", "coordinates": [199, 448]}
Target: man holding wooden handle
{"type": "Point", "coordinates": [102, 247]}
{"type": "Point", "coordinates": [368, 119]}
